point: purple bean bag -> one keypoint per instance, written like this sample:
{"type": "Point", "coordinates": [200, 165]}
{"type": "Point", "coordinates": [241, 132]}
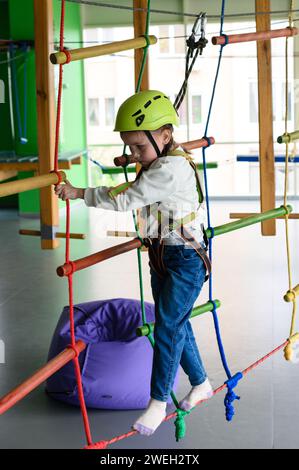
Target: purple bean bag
{"type": "Point", "coordinates": [116, 365]}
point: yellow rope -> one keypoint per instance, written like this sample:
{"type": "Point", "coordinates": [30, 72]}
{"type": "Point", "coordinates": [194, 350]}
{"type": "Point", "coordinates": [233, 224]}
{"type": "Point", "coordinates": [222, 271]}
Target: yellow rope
{"type": "Point", "coordinates": [291, 22]}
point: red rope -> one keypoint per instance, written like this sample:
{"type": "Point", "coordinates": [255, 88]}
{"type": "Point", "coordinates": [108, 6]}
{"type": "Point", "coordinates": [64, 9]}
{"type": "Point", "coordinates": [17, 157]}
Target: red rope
{"type": "Point", "coordinates": [105, 444]}
{"type": "Point", "coordinates": [67, 246]}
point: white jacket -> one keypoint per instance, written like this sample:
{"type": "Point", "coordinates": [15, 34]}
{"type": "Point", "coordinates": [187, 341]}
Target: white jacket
{"type": "Point", "coordinates": [168, 185]}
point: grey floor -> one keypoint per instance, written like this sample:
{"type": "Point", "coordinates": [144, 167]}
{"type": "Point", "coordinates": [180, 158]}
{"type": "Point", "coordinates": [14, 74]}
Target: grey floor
{"type": "Point", "coordinates": [250, 278]}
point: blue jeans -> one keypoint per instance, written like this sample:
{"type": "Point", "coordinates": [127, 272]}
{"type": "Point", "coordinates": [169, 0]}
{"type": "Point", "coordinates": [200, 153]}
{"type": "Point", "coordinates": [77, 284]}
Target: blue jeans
{"type": "Point", "coordinates": [174, 297]}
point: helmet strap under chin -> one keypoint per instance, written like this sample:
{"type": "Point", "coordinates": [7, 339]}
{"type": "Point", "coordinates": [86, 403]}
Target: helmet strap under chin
{"type": "Point", "coordinates": [153, 142]}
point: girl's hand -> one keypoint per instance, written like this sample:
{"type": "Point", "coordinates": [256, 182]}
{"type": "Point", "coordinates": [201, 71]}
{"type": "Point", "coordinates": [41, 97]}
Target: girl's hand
{"type": "Point", "coordinates": [67, 191]}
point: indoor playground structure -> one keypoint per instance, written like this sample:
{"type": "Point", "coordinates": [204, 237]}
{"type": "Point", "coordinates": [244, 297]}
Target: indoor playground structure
{"type": "Point", "coordinates": [99, 344]}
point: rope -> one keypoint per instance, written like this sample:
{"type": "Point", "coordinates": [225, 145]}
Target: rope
{"type": "Point", "coordinates": [67, 246]}
{"type": "Point", "coordinates": [287, 238]}
{"type": "Point", "coordinates": [230, 395]}
{"type": "Point", "coordinates": [180, 13]}
{"type": "Point", "coordinates": [105, 443]}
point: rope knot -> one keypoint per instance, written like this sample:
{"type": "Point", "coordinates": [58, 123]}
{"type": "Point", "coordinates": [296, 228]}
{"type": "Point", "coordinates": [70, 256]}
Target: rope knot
{"type": "Point", "coordinates": [97, 445]}
{"type": "Point", "coordinates": [226, 39]}
{"type": "Point", "coordinates": [68, 55]}
{"type": "Point", "coordinates": [287, 209]}
{"type": "Point", "coordinates": [74, 348]}
{"type": "Point", "coordinates": [208, 140]}
{"type": "Point", "coordinates": [180, 425]}
{"type": "Point", "coordinates": [72, 267]}
{"type": "Point", "coordinates": [59, 176]}
{"type": "Point", "coordinates": [146, 37]}
{"type": "Point", "coordinates": [230, 396]}
{"type": "Point", "coordinates": [212, 232]}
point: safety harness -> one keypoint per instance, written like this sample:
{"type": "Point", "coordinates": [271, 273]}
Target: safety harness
{"type": "Point", "coordinates": [156, 245]}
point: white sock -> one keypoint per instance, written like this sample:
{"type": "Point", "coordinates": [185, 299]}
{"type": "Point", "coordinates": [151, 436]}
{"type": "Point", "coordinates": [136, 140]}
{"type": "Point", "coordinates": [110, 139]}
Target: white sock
{"type": "Point", "coordinates": [197, 393]}
{"type": "Point", "coordinates": [153, 416]}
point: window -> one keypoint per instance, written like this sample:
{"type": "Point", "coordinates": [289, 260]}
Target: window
{"type": "Point", "coordinates": [93, 112]}
{"type": "Point", "coordinates": [179, 39]}
{"type": "Point", "coordinates": [283, 101]}
{"type": "Point", "coordinates": [91, 35]}
{"type": "Point", "coordinates": [109, 111]}
{"type": "Point", "coordinates": [164, 43]}
{"type": "Point", "coordinates": [196, 109]}
{"type": "Point", "coordinates": [253, 102]}
{"type": "Point", "coordinates": [107, 35]}
{"type": "Point", "coordinates": [183, 111]}
{"type": "Point", "coordinates": [278, 101]}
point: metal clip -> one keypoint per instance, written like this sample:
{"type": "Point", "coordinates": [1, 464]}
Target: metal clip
{"type": "Point", "coordinates": [200, 24]}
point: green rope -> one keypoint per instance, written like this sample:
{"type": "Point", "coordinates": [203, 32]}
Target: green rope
{"type": "Point", "coordinates": [180, 425]}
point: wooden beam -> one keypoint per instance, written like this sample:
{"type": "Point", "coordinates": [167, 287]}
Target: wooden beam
{"type": "Point", "coordinates": [27, 184]}
{"type": "Point", "coordinates": [43, 24]}
{"type": "Point", "coordinates": [259, 36]}
{"type": "Point", "coordinates": [139, 29]}
{"type": "Point", "coordinates": [34, 166]}
{"type": "Point", "coordinates": [37, 233]}
{"type": "Point", "coordinates": [29, 166]}
{"type": "Point", "coordinates": [97, 51]}
{"type": "Point", "coordinates": [267, 166]}
{"type": "Point", "coordinates": [7, 174]}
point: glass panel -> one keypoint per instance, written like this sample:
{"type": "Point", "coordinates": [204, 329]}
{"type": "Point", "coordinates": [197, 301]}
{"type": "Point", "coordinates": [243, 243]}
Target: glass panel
{"type": "Point", "coordinates": [196, 109]}
{"type": "Point", "coordinates": [253, 102]}
{"type": "Point", "coordinates": [164, 44]}
{"type": "Point", "coordinates": [283, 101]}
{"type": "Point", "coordinates": [179, 39]}
{"type": "Point", "coordinates": [109, 111]}
{"type": "Point", "coordinates": [93, 112]}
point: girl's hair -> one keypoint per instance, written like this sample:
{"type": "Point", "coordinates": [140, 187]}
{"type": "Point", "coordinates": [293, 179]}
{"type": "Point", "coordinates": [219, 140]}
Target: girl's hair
{"type": "Point", "coordinates": [172, 145]}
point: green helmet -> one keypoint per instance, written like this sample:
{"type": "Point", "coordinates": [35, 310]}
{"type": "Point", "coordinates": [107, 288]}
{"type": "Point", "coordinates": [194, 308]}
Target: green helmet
{"type": "Point", "coordinates": [146, 111]}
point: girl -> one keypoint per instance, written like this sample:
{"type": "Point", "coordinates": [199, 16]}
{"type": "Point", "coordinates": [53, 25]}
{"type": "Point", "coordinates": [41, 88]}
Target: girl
{"type": "Point", "coordinates": [166, 188]}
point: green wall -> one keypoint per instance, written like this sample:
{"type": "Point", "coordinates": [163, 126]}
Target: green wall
{"type": "Point", "coordinates": [17, 22]}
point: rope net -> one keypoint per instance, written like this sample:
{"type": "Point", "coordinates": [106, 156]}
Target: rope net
{"type": "Point", "coordinates": [232, 380]}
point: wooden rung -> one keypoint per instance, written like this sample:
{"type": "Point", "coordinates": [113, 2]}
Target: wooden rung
{"type": "Point", "coordinates": [243, 215]}
{"type": "Point", "coordinates": [36, 182]}
{"type": "Point", "coordinates": [192, 145]}
{"type": "Point", "coordinates": [98, 257]}
{"type": "Point", "coordinates": [55, 364]}
{"type": "Point", "coordinates": [76, 161]}
{"type": "Point", "coordinates": [259, 36]}
{"type": "Point", "coordinates": [287, 138]}
{"type": "Point", "coordinates": [6, 175]}
{"type": "Point", "coordinates": [104, 49]}
{"type": "Point", "coordinates": [37, 233]}
{"type": "Point", "coordinates": [120, 233]}
{"type": "Point", "coordinates": [291, 295]}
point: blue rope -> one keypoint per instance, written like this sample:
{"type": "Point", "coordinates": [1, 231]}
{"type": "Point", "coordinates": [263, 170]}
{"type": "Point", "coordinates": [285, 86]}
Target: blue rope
{"type": "Point", "coordinates": [232, 382]}
{"type": "Point", "coordinates": [231, 396]}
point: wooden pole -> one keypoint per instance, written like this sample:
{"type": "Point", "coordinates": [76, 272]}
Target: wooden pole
{"type": "Point", "coordinates": [103, 49]}
{"type": "Point", "coordinates": [192, 145]}
{"type": "Point", "coordinates": [18, 393]}
{"type": "Point", "coordinates": [258, 36]}
{"type": "Point", "coordinates": [139, 20]}
{"type": "Point", "coordinates": [43, 23]}
{"type": "Point", "coordinates": [37, 233]}
{"type": "Point", "coordinates": [287, 138]}
{"type": "Point", "coordinates": [244, 215]}
{"type": "Point", "coordinates": [267, 164]}
{"type": "Point", "coordinates": [36, 182]}
{"type": "Point", "coordinates": [98, 257]}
